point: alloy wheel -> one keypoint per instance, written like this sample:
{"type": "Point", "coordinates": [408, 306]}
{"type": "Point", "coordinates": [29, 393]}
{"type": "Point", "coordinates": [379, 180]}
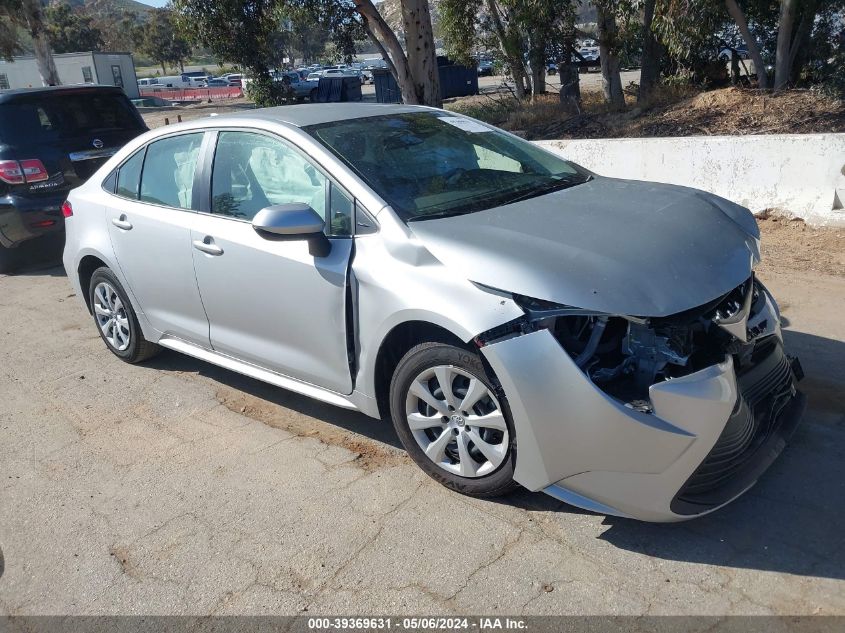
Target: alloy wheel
{"type": "Point", "coordinates": [457, 421]}
{"type": "Point", "coordinates": [111, 316]}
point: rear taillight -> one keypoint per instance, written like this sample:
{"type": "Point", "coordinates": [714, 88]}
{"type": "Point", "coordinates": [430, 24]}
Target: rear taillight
{"type": "Point", "coordinates": [17, 173]}
{"type": "Point", "coordinates": [67, 209]}
{"type": "Point", "coordinates": [11, 172]}
{"type": "Point", "coordinates": [33, 170]}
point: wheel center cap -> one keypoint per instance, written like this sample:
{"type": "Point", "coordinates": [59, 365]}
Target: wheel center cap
{"type": "Point", "coordinates": [458, 420]}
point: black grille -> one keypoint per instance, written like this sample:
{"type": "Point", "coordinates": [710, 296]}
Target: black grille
{"type": "Point", "coordinates": [766, 389]}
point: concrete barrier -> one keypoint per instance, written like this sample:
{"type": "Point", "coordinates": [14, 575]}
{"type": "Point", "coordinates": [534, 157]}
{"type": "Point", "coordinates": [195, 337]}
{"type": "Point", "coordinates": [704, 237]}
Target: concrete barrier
{"type": "Point", "coordinates": [800, 174]}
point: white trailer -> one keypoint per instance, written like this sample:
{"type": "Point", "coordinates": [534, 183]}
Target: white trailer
{"type": "Point", "coordinates": [108, 69]}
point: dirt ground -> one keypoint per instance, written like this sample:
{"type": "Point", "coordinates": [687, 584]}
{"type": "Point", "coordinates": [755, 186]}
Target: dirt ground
{"type": "Point", "coordinates": [789, 244]}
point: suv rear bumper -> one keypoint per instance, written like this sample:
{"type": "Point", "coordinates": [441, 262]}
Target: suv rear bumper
{"type": "Point", "coordinates": [24, 218]}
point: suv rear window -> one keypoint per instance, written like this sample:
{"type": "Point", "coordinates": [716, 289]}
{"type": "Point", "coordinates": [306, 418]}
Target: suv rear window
{"type": "Point", "coordinates": [44, 118]}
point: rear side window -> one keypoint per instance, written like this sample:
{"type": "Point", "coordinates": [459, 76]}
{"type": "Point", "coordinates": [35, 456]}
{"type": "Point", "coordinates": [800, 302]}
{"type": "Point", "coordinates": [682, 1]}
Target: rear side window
{"type": "Point", "coordinates": [62, 115]}
{"type": "Point", "coordinates": [129, 176]}
{"type": "Point", "coordinates": [168, 175]}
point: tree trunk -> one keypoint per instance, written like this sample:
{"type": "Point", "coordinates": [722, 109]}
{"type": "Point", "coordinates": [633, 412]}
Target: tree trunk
{"type": "Point", "coordinates": [163, 69]}
{"type": "Point", "coordinates": [537, 57]}
{"type": "Point", "coordinates": [41, 45]}
{"type": "Point", "coordinates": [783, 57]}
{"type": "Point", "coordinates": [512, 56]}
{"type": "Point", "coordinates": [570, 84]}
{"type": "Point", "coordinates": [734, 68]}
{"type": "Point", "coordinates": [753, 48]}
{"type": "Point", "coordinates": [399, 62]}
{"type": "Point", "coordinates": [801, 42]}
{"type": "Point", "coordinates": [650, 65]}
{"type": "Point", "coordinates": [422, 57]}
{"type": "Point", "coordinates": [610, 77]}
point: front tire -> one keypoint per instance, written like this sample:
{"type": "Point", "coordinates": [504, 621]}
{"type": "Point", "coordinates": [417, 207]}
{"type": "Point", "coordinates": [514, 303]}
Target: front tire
{"type": "Point", "coordinates": [453, 421]}
{"type": "Point", "coordinates": [116, 319]}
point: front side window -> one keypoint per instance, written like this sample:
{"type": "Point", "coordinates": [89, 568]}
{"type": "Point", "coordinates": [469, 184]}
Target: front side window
{"type": "Point", "coordinates": [428, 165]}
{"type": "Point", "coordinates": [168, 175]}
{"type": "Point", "coordinates": [253, 171]}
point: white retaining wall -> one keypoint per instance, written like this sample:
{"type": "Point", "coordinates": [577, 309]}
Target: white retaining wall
{"type": "Point", "coordinates": [800, 174]}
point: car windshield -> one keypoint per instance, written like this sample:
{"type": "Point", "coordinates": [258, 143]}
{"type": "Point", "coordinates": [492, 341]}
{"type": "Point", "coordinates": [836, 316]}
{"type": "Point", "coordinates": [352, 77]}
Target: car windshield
{"type": "Point", "coordinates": [63, 115]}
{"type": "Point", "coordinates": [435, 164]}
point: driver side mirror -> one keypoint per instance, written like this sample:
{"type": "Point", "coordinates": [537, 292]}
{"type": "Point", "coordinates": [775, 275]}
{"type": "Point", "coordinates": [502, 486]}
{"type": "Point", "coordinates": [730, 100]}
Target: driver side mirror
{"type": "Point", "coordinates": [293, 221]}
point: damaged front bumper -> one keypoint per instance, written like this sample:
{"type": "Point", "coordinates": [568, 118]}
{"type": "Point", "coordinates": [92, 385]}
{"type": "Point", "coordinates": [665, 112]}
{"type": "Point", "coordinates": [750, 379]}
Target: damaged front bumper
{"type": "Point", "coordinates": [705, 439]}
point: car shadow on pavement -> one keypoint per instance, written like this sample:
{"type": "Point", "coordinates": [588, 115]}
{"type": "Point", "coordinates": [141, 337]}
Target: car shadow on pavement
{"type": "Point", "coordinates": [791, 520]}
{"type": "Point", "coordinates": [39, 258]}
{"type": "Point", "coordinates": [378, 430]}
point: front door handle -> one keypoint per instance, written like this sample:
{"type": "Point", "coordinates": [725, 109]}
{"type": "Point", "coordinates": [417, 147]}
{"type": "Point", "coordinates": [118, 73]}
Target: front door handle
{"type": "Point", "coordinates": [122, 222]}
{"type": "Point", "coordinates": [207, 245]}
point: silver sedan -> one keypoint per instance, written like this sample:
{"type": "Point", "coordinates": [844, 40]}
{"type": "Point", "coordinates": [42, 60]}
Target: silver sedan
{"type": "Point", "coordinates": [521, 320]}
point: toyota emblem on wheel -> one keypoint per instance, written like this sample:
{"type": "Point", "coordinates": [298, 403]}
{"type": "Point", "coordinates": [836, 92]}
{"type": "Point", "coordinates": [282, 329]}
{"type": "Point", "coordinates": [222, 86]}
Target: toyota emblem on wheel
{"type": "Point", "coordinates": [97, 143]}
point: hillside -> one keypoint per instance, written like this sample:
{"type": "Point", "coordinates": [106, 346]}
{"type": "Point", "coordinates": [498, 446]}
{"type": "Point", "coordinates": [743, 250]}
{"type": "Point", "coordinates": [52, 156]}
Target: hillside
{"type": "Point", "coordinates": [111, 8]}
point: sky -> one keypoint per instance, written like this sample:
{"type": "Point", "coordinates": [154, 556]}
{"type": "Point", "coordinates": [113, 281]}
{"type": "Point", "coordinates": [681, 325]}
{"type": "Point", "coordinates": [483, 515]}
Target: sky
{"type": "Point", "coordinates": [154, 3]}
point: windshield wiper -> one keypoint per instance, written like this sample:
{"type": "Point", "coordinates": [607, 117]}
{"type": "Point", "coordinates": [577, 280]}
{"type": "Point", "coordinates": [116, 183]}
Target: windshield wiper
{"type": "Point", "coordinates": [556, 185]}
{"type": "Point", "coordinates": [441, 214]}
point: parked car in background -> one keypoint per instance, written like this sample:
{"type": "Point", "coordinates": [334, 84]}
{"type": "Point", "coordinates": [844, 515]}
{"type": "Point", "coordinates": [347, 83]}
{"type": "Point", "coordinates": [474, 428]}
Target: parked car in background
{"type": "Point", "coordinates": [302, 88]}
{"type": "Point", "coordinates": [51, 140]}
{"type": "Point", "coordinates": [149, 81]}
{"type": "Point", "coordinates": [174, 81]}
{"type": "Point", "coordinates": [218, 82]}
{"type": "Point", "coordinates": [519, 318]}
{"type": "Point", "coordinates": [485, 68]}
{"type": "Point", "coordinates": [234, 79]}
{"type": "Point", "coordinates": [197, 81]}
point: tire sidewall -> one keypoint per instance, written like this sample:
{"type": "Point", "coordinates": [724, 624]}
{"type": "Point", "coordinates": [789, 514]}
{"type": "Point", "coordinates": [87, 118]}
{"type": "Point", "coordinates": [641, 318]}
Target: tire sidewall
{"type": "Point", "coordinates": [412, 364]}
{"type": "Point", "coordinates": [105, 275]}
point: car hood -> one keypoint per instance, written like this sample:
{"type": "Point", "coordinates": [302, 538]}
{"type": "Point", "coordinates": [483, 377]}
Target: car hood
{"type": "Point", "coordinates": [615, 246]}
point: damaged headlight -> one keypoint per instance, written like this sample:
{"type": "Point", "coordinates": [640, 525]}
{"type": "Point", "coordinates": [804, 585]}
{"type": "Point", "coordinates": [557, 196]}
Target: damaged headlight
{"type": "Point", "coordinates": [624, 355]}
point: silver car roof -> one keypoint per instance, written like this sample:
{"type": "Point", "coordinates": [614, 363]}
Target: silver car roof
{"type": "Point", "coordinates": [315, 113]}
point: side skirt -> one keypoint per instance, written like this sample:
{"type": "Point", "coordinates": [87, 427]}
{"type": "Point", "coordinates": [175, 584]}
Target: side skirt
{"type": "Point", "coordinates": [253, 371]}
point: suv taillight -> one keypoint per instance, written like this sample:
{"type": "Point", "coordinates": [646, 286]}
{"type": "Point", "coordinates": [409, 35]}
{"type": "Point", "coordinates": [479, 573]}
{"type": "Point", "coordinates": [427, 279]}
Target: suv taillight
{"type": "Point", "coordinates": [11, 172]}
{"type": "Point", "coordinates": [67, 209]}
{"type": "Point", "coordinates": [17, 173]}
{"type": "Point", "coordinates": [33, 170]}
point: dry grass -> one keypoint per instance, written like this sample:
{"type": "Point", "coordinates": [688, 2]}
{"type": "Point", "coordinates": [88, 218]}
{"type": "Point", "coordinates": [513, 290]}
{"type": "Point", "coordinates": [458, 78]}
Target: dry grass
{"type": "Point", "coordinates": [673, 111]}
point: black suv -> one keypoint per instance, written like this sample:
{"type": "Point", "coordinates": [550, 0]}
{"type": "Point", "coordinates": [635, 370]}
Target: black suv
{"type": "Point", "coordinates": [52, 140]}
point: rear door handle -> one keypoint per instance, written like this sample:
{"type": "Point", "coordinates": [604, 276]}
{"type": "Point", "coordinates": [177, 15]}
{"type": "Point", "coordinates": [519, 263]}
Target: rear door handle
{"type": "Point", "coordinates": [122, 223]}
{"type": "Point", "coordinates": [208, 246]}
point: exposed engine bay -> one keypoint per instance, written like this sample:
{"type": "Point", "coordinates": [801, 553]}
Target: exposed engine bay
{"type": "Point", "coordinates": [624, 355]}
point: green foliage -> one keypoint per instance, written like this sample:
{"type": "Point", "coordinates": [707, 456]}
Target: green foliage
{"type": "Point", "coordinates": [161, 41]}
{"type": "Point", "coordinates": [248, 33]}
{"type": "Point", "coordinates": [265, 92]}
{"type": "Point", "coordinates": [459, 25]}
{"type": "Point", "coordinates": [10, 29]}
{"type": "Point", "coordinates": [70, 31]}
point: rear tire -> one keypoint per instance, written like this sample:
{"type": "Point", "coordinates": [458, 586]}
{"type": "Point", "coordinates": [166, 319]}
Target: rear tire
{"type": "Point", "coordinates": [453, 421]}
{"type": "Point", "coordinates": [116, 320]}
